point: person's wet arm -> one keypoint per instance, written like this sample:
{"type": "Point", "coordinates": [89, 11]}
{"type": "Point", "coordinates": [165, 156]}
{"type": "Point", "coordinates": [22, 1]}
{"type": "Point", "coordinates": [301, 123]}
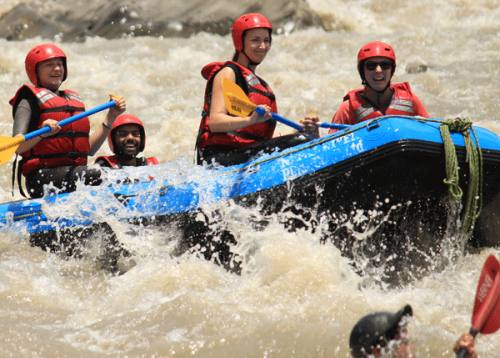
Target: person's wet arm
{"type": "Point", "coordinates": [101, 132]}
{"type": "Point", "coordinates": [22, 120]}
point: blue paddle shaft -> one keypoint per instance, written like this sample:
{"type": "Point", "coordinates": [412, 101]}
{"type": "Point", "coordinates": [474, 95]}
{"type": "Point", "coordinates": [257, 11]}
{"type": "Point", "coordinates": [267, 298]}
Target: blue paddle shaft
{"type": "Point", "coordinates": [46, 129]}
{"type": "Point", "coordinates": [333, 125]}
{"type": "Point", "coordinates": [288, 122]}
{"type": "Point", "coordinates": [260, 111]}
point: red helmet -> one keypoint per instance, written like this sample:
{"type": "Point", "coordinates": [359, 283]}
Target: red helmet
{"type": "Point", "coordinates": [42, 53]}
{"type": "Point", "coordinates": [247, 22]}
{"type": "Point", "coordinates": [124, 119]}
{"type": "Point", "coordinates": [375, 49]}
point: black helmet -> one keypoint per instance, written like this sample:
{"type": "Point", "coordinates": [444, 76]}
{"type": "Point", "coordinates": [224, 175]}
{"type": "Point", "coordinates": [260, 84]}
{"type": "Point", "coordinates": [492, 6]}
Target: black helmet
{"type": "Point", "coordinates": [376, 329]}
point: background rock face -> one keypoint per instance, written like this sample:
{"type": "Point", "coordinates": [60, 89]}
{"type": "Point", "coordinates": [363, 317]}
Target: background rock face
{"type": "Point", "coordinates": [74, 20]}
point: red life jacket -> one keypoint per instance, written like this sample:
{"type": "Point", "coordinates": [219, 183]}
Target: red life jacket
{"type": "Point", "coordinates": [401, 103]}
{"type": "Point", "coordinates": [112, 161]}
{"type": "Point", "coordinates": [70, 146]}
{"type": "Point", "coordinates": [256, 89]}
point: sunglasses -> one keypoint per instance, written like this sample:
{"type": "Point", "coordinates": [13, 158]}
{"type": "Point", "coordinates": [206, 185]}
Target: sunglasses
{"type": "Point", "coordinates": [372, 65]}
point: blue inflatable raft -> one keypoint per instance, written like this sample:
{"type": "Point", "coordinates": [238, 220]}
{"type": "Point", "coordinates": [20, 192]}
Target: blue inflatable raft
{"type": "Point", "coordinates": [393, 165]}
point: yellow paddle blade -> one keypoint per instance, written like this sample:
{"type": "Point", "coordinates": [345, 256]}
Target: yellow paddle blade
{"type": "Point", "coordinates": [238, 106]}
{"type": "Point", "coordinates": [230, 86]}
{"type": "Point", "coordinates": [8, 146]}
{"type": "Point", "coordinates": [236, 101]}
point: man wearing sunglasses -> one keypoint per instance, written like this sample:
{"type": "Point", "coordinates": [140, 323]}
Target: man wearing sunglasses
{"type": "Point", "coordinates": [378, 97]}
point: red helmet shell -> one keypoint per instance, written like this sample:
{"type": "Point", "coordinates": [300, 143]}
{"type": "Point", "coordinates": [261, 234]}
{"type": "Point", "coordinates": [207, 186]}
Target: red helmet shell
{"type": "Point", "coordinates": [124, 119]}
{"type": "Point", "coordinates": [42, 53]}
{"type": "Point", "coordinates": [376, 49]}
{"type": "Point", "coordinates": [247, 22]}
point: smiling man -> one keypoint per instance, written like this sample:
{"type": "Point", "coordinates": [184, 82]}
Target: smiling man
{"type": "Point", "coordinates": [126, 140]}
{"type": "Point", "coordinates": [378, 97]}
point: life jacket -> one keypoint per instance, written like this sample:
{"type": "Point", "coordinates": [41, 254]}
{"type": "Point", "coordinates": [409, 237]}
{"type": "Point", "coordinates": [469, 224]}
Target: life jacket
{"type": "Point", "coordinates": [70, 146]}
{"type": "Point", "coordinates": [112, 161]}
{"type": "Point", "coordinates": [257, 90]}
{"type": "Point", "coordinates": [401, 103]}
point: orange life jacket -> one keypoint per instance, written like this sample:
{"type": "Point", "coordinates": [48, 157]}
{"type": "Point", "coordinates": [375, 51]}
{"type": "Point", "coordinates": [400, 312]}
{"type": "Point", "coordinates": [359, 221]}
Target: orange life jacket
{"type": "Point", "coordinates": [256, 89]}
{"type": "Point", "coordinates": [402, 103]}
{"type": "Point", "coordinates": [70, 146]}
{"type": "Point", "coordinates": [112, 161]}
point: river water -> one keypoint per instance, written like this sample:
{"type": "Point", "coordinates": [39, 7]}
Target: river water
{"type": "Point", "coordinates": [295, 297]}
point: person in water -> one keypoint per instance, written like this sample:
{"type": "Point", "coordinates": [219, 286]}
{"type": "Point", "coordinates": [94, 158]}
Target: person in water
{"type": "Point", "coordinates": [58, 158]}
{"type": "Point", "coordinates": [376, 66]}
{"type": "Point", "coordinates": [385, 334]}
{"type": "Point", "coordinates": [126, 139]}
{"type": "Point", "coordinates": [221, 136]}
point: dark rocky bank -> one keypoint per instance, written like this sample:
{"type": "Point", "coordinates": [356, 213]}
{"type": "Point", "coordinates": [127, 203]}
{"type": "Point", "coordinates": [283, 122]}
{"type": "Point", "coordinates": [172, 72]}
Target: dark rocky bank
{"type": "Point", "coordinates": [76, 20]}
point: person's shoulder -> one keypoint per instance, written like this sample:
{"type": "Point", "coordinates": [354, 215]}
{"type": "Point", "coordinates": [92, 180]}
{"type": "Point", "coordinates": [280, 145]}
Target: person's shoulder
{"type": "Point", "coordinates": [70, 91]}
{"type": "Point", "coordinates": [344, 106]}
{"type": "Point", "coordinates": [226, 72]}
{"type": "Point", "coordinates": [418, 106]}
{"type": "Point", "coordinates": [343, 115]}
{"type": "Point", "coordinates": [353, 93]}
{"type": "Point", "coordinates": [26, 92]}
{"type": "Point", "coordinates": [25, 95]}
{"type": "Point", "coordinates": [71, 94]}
{"type": "Point", "coordinates": [403, 86]}
{"type": "Point", "coordinates": [209, 69]}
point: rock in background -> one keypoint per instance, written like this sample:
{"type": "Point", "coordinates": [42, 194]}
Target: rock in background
{"type": "Point", "coordinates": [75, 20]}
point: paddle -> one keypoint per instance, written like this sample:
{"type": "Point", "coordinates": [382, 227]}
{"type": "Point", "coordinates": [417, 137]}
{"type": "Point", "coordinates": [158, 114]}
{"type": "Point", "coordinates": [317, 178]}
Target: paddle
{"type": "Point", "coordinates": [9, 145]}
{"type": "Point", "coordinates": [486, 312]}
{"type": "Point", "coordinates": [237, 103]}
